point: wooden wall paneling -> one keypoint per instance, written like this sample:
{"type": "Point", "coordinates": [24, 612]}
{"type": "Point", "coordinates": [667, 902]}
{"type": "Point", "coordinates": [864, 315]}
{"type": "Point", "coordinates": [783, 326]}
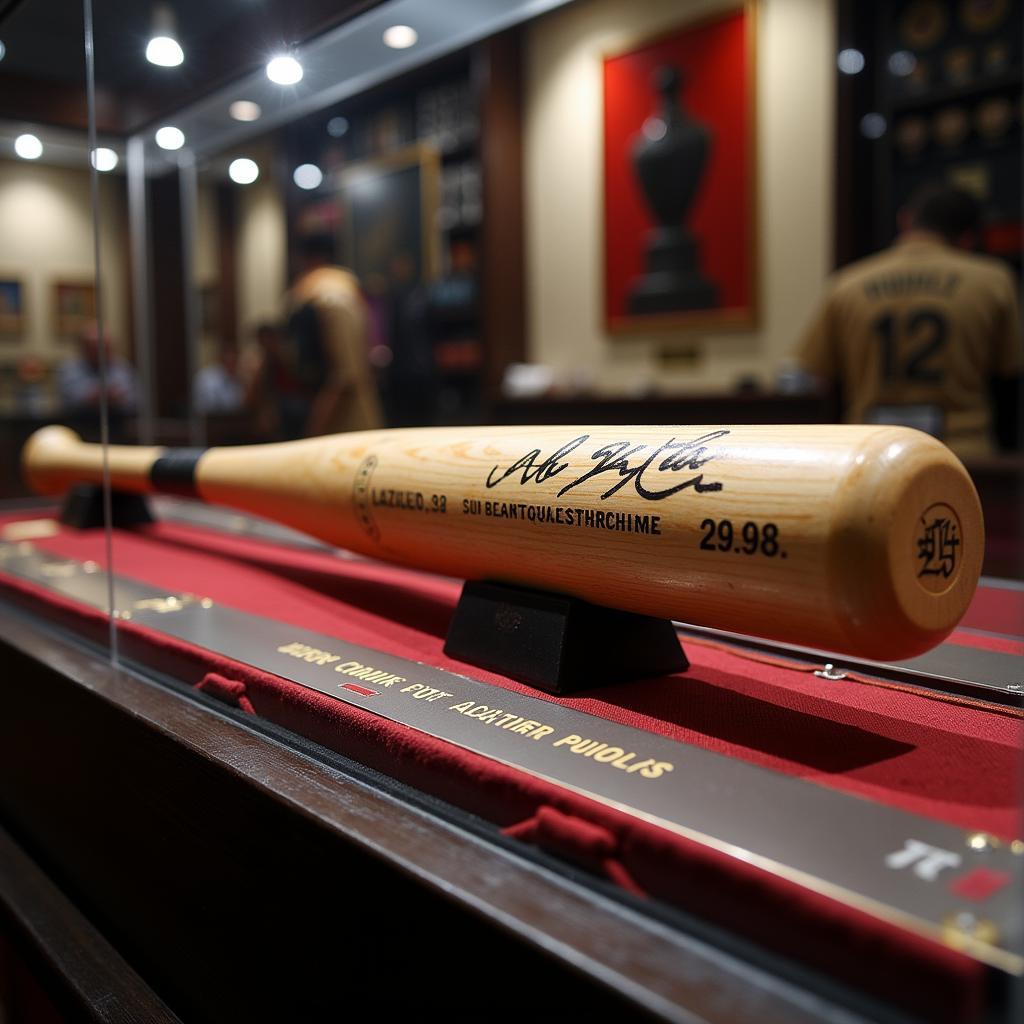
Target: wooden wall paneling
{"type": "Point", "coordinates": [170, 365]}
{"type": "Point", "coordinates": [227, 263]}
{"type": "Point", "coordinates": [498, 74]}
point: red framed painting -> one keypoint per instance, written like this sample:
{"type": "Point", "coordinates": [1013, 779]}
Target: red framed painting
{"type": "Point", "coordinates": [680, 172]}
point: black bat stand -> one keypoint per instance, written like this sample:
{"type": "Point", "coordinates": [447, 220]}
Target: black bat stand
{"type": "Point", "coordinates": [557, 643]}
{"type": "Point", "coordinates": [83, 508]}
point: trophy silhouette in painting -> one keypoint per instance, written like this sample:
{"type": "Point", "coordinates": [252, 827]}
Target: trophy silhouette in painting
{"type": "Point", "coordinates": [669, 157]}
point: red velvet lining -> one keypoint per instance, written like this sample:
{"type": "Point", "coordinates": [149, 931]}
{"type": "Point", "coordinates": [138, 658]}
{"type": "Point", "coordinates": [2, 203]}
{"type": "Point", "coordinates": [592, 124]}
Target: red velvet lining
{"type": "Point", "coordinates": [997, 609]}
{"type": "Point", "coordinates": [956, 762]}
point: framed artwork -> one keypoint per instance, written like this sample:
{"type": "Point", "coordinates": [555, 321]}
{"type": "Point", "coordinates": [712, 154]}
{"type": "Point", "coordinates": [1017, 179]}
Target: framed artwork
{"type": "Point", "coordinates": [12, 307]}
{"type": "Point", "coordinates": [389, 224]}
{"type": "Point", "coordinates": [680, 172]}
{"type": "Point", "coordinates": [74, 305]}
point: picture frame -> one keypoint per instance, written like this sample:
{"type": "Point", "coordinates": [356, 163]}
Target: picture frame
{"type": "Point", "coordinates": [12, 307]}
{"type": "Point", "coordinates": [389, 210]}
{"type": "Point", "coordinates": [74, 306]}
{"type": "Point", "coordinates": [679, 157]}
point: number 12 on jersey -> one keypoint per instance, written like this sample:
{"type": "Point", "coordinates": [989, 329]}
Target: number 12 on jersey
{"type": "Point", "coordinates": [911, 344]}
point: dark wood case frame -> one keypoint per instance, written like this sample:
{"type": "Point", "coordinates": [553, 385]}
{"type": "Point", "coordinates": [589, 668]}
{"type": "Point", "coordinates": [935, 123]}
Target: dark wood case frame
{"type": "Point", "coordinates": [241, 872]}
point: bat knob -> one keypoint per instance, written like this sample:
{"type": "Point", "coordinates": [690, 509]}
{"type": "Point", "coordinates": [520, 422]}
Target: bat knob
{"type": "Point", "coordinates": [44, 459]}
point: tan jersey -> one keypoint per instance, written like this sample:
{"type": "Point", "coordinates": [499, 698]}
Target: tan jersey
{"type": "Point", "coordinates": [914, 334]}
{"type": "Point", "coordinates": [334, 293]}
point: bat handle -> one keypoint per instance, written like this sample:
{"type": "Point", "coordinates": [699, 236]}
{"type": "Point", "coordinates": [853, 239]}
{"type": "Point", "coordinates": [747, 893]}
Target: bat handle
{"type": "Point", "coordinates": [55, 458]}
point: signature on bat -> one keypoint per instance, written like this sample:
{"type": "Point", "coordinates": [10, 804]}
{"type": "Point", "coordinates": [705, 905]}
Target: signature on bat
{"type": "Point", "coordinates": [638, 464]}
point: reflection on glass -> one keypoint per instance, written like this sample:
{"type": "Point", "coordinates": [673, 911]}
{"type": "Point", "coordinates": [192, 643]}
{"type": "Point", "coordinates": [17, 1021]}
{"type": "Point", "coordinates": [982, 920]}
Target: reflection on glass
{"type": "Point", "coordinates": [902, 63]}
{"type": "Point", "coordinates": [245, 110]}
{"type": "Point", "coordinates": [872, 126]}
{"type": "Point", "coordinates": [400, 37]}
{"type": "Point", "coordinates": [850, 61]}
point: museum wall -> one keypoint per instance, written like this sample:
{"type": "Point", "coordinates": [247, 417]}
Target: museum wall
{"type": "Point", "coordinates": [563, 193]}
{"type": "Point", "coordinates": [46, 236]}
{"type": "Point", "coordinates": [262, 247]}
{"type": "Point", "coordinates": [207, 270]}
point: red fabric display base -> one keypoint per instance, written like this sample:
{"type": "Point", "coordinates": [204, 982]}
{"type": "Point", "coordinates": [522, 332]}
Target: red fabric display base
{"type": "Point", "coordinates": [947, 758]}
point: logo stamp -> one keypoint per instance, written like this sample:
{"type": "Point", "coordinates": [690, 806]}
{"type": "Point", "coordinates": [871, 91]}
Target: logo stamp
{"type": "Point", "coordinates": [938, 547]}
{"type": "Point", "coordinates": [361, 497]}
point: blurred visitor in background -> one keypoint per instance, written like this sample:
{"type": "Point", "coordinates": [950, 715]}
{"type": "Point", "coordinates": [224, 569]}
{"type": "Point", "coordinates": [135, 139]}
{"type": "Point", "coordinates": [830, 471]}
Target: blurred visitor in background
{"type": "Point", "coordinates": [925, 333]}
{"type": "Point", "coordinates": [411, 379]}
{"type": "Point", "coordinates": [78, 384]}
{"type": "Point", "coordinates": [328, 336]}
{"type": "Point", "coordinates": [31, 395]}
{"type": "Point", "coordinates": [279, 404]}
{"type": "Point", "coordinates": [219, 388]}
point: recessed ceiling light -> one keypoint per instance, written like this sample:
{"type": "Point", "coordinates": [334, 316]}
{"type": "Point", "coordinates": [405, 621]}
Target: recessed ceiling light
{"type": "Point", "coordinates": [400, 37]}
{"type": "Point", "coordinates": [337, 126]}
{"type": "Point", "coordinates": [104, 159]}
{"type": "Point", "coordinates": [164, 51]}
{"type": "Point", "coordinates": [28, 147]}
{"type": "Point", "coordinates": [243, 171]}
{"type": "Point", "coordinates": [170, 137]}
{"type": "Point", "coordinates": [308, 176]}
{"type": "Point", "coordinates": [245, 110]}
{"type": "Point", "coordinates": [163, 47]}
{"type": "Point", "coordinates": [284, 70]}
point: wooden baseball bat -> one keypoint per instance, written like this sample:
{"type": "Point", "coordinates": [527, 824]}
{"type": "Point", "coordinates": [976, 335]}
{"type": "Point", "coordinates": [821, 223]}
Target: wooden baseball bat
{"type": "Point", "coordinates": [861, 539]}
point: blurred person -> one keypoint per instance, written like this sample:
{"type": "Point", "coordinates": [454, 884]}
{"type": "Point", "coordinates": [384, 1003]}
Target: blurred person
{"type": "Point", "coordinates": [78, 378]}
{"type": "Point", "coordinates": [219, 388]}
{"type": "Point", "coordinates": [328, 331]}
{"type": "Point", "coordinates": [32, 396]}
{"type": "Point", "coordinates": [924, 333]}
{"type": "Point", "coordinates": [272, 389]}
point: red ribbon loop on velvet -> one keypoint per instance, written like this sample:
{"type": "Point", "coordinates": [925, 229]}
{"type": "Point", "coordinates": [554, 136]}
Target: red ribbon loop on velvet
{"type": "Point", "coordinates": [576, 839]}
{"type": "Point", "coordinates": [230, 691]}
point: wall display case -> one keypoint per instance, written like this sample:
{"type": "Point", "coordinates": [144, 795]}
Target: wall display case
{"type": "Point", "coordinates": [944, 78]}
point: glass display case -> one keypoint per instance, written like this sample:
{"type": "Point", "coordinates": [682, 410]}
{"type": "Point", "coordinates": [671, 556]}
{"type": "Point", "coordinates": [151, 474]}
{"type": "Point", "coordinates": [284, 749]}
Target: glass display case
{"type": "Point", "coordinates": [264, 752]}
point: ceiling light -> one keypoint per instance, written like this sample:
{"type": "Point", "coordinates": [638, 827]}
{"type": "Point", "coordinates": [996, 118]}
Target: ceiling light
{"type": "Point", "coordinates": [284, 70]}
{"type": "Point", "coordinates": [170, 137]}
{"type": "Point", "coordinates": [245, 110]}
{"type": "Point", "coordinates": [163, 47]}
{"type": "Point", "coordinates": [164, 51]}
{"type": "Point", "coordinates": [104, 159]}
{"type": "Point", "coordinates": [243, 171]}
{"type": "Point", "coordinates": [3, 49]}
{"type": "Point", "coordinates": [308, 176]}
{"type": "Point", "coordinates": [337, 126]}
{"type": "Point", "coordinates": [28, 147]}
{"type": "Point", "coordinates": [400, 37]}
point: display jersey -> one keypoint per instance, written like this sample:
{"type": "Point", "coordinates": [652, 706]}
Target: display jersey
{"type": "Point", "coordinates": [914, 335]}
{"type": "Point", "coordinates": [328, 327]}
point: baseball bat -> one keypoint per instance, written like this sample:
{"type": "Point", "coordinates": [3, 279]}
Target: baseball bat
{"type": "Point", "coordinates": [866, 540]}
